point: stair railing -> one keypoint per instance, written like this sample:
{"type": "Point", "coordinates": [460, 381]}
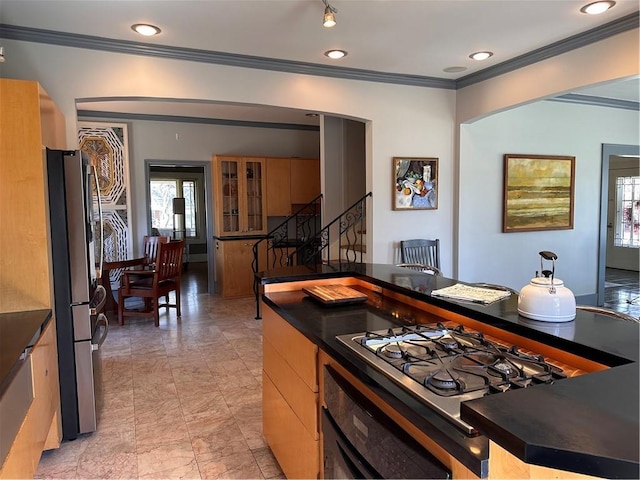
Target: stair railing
{"type": "Point", "coordinates": [297, 228]}
{"type": "Point", "coordinates": [342, 234]}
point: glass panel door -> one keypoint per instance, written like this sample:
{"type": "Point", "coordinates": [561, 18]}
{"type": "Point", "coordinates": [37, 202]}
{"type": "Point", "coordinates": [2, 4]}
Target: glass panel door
{"type": "Point", "coordinates": [230, 196]}
{"type": "Point", "coordinates": [254, 196]}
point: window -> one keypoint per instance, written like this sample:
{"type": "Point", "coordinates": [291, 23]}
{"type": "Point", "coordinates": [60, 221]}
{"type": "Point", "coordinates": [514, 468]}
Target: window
{"type": "Point", "coordinates": [162, 192]}
{"type": "Point", "coordinates": [627, 232]}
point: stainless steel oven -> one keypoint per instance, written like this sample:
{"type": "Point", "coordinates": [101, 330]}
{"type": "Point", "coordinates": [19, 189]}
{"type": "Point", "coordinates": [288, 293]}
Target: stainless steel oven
{"type": "Point", "coordinates": [360, 441]}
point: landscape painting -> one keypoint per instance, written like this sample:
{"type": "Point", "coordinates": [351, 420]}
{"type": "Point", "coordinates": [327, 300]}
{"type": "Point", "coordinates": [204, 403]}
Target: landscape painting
{"type": "Point", "coordinates": [538, 192]}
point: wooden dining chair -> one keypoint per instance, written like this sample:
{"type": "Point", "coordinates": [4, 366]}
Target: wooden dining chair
{"type": "Point", "coordinates": [424, 252]}
{"type": "Point", "coordinates": [150, 285]}
{"type": "Point", "coordinates": [150, 244]}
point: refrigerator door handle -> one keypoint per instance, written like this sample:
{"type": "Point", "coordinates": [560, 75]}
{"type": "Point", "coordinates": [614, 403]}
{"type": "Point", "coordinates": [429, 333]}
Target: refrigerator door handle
{"type": "Point", "coordinates": [98, 300]}
{"type": "Point", "coordinates": [100, 220]}
{"type": "Point", "coordinates": [102, 320]}
{"type": "Point", "coordinates": [96, 303]}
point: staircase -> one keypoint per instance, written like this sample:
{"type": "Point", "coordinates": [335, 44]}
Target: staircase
{"type": "Point", "coordinates": [341, 242]}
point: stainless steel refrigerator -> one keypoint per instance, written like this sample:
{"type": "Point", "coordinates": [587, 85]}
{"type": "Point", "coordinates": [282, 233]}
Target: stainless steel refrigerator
{"type": "Point", "coordinates": [75, 214]}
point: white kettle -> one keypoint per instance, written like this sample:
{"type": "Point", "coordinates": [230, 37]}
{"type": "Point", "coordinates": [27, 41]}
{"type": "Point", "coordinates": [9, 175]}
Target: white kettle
{"type": "Point", "coordinates": [546, 298]}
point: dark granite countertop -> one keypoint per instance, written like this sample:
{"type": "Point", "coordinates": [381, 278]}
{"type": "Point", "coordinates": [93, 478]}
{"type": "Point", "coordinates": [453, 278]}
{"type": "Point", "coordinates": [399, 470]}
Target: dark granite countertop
{"type": "Point", "coordinates": [18, 330]}
{"type": "Point", "coordinates": [587, 424]}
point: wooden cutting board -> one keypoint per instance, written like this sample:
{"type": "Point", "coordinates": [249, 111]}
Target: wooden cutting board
{"type": "Point", "coordinates": [335, 294]}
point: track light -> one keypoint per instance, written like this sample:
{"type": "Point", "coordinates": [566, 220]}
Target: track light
{"type": "Point", "coordinates": [329, 19]}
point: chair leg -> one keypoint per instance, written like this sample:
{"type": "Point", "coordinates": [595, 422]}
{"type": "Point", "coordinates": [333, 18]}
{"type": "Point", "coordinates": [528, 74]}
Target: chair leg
{"type": "Point", "coordinates": [120, 307]}
{"type": "Point", "coordinates": [156, 313]}
{"type": "Point", "coordinates": [178, 299]}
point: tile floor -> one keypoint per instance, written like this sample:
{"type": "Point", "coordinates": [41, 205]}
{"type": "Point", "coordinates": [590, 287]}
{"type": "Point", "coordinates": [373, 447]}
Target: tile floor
{"type": "Point", "coordinates": [180, 401]}
{"type": "Point", "coordinates": [622, 291]}
{"type": "Point", "coordinates": [184, 400]}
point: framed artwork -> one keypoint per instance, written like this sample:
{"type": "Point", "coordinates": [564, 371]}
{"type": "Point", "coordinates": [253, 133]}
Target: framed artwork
{"type": "Point", "coordinates": [415, 184]}
{"type": "Point", "coordinates": [538, 193]}
{"type": "Point", "coordinates": [106, 146]}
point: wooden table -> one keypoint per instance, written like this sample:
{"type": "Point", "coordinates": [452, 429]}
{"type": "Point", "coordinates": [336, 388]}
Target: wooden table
{"type": "Point", "coordinates": [133, 264]}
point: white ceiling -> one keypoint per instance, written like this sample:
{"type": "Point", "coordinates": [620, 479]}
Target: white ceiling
{"type": "Point", "coordinates": [411, 37]}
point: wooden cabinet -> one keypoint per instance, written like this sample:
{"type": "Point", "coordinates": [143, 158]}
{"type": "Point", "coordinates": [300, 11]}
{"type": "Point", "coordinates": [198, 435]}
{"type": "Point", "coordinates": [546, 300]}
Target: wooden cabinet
{"type": "Point", "coordinates": [291, 181]}
{"type": "Point", "coordinates": [290, 397]}
{"type": "Point", "coordinates": [41, 428]}
{"type": "Point", "coordinates": [29, 121]}
{"type": "Point", "coordinates": [278, 187]}
{"type": "Point", "coordinates": [240, 195]}
{"type": "Point", "coordinates": [305, 180]}
{"type": "Point", "coordinates": [234, 266]}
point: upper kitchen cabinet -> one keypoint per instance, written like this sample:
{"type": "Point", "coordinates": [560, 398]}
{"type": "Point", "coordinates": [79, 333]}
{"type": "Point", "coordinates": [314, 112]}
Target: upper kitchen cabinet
{"type": "Point", "coordinates": [240, 195]}
{"type": "Point", "coordinates": [305, 180]}
{"type": "Point", "coordinates": [29, 121]}
{"type": "Point", "coordinates": [291, 182]}
{"type": "Point", "coordinates": [278, 187]}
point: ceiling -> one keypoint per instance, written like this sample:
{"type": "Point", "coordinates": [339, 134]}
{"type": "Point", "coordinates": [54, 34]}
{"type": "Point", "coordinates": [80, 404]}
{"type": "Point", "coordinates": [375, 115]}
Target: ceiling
{"type": "Point", "coordinates": [405, 37]}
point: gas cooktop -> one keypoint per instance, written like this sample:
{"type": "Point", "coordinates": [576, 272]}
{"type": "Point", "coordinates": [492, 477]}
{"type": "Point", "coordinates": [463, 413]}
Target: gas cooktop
{"type": "Point", "coordinates": [445, 366]}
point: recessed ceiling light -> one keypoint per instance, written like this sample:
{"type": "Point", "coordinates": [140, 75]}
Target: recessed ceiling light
{"type": "Point", "coordinates": [145, 29]}
{"type": "Point", "coordinates": [481, 55]}
{"type": "Point", "coordinates": [311, 115]}
{"type": "Point", "coordinates": [597, 7]}
{"type": "Point", "coordinates": [335, 54]}
{"type": "Point", "coordinates": [454, 69]}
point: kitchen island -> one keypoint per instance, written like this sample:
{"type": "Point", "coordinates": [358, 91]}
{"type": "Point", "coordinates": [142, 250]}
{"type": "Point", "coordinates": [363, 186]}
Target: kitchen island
{"type": "Point", "coordinates": [587, 424]}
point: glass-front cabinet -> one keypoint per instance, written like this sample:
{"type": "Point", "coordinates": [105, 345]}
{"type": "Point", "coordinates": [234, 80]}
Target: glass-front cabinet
{"type": "Point", "coordinates": [240, 195]}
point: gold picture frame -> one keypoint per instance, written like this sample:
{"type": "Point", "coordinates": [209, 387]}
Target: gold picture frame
{"type": "Point", "coordinates": [538, 193]}
{"type": "Point", "coordinates": [415, 183]}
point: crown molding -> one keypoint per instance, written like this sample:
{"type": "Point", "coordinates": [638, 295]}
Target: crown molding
{"type": "Point", "coordinates": [13, 32]}
{"type": "Point", "coordinates": [597, 101]}
{"type": "Point", "coordinates": [27, 34]}
{"type": "Point", "coordinates": [597, 34]}
{"type": "Point", "coordinates": [85, 114]}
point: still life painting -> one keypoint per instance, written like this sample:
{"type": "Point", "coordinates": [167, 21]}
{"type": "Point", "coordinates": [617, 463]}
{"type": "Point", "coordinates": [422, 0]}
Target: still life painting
{"type": "Point", "coordinates": [415, 183]}
{"type": "Point", "coordinates": [538, 192]}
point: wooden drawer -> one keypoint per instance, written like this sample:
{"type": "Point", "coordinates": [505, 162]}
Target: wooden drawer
{"type": "Point", "coordinates": [302, 400]}
{"type": "Point", "coordinates": [293, 347]}
{"type": "Point", "coordinates": [297, 452]}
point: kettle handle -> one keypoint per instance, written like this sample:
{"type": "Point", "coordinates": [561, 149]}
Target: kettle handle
{"type": "Point", "coordinates": [547, 255]}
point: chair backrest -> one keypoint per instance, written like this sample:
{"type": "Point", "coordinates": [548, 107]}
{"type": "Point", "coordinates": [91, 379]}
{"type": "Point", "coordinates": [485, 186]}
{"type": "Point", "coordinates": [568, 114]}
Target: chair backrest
{"type": "Point", "coordinates": [424, 252]}
{"type": "Point", "coordinates": [169, 260]}
{"type": "Point", "coordinates": [151, 248]}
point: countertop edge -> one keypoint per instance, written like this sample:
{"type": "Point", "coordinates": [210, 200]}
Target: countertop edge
{"type": "Point", "coordinates": [18, 330]}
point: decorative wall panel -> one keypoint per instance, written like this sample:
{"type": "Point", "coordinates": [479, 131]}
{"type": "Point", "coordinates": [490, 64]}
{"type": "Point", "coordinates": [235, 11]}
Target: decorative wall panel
{"type": "Point", "coordinates": [106, 145]}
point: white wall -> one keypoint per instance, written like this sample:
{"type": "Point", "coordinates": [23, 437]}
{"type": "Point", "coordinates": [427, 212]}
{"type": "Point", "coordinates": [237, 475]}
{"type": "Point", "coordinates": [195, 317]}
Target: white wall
{"type": "Point", "coordinates": [400, 121]}
{"type": "Point", "coordinates": [609, 59]}
{"type": "Point", "coordinates": [196, 142]}
{"type": "Point", "coordinates": [547, 128]}
{"type": "Point", "coordinates": [403, 120]}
